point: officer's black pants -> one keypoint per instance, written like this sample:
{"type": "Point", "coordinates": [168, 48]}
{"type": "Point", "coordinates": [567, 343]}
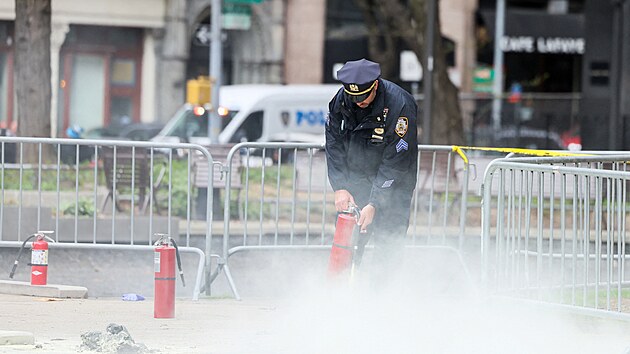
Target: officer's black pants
{"type": "Point", "coordinates": [389, 227]}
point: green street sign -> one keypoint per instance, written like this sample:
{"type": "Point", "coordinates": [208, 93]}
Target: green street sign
{"type": "Point", "coordinates": [237, 16]}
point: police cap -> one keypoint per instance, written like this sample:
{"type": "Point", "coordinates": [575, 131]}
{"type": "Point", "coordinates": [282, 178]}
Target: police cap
{"type": "Point", "coordinates": [358, 78]}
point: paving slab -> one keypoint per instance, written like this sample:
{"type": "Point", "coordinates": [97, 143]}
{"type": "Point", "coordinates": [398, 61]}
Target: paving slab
{"type": "Point", "coordinates": [16, 338]}
{"type": "Point", "coordinates": [13, 287]}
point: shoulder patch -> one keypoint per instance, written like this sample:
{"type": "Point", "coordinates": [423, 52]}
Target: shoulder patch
{"type": "Point", "coordinates": [401, 126]}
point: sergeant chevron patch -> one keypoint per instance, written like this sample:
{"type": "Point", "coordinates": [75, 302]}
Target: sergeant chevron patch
{"type": "Point", "coordinates": [402, 145]}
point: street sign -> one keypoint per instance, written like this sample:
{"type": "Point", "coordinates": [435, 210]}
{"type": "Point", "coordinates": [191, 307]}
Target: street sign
{"type": "Point", "coordinates": [237, 16]}
{"type": "Point", "coordinates": [237, 21]}
{"type": "Point", "coordinates": [202, 35]}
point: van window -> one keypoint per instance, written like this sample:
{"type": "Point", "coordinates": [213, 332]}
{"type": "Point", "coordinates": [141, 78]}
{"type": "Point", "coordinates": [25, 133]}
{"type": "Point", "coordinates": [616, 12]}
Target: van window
{"type": "Point", "coordinates": [251, 129]}
{"type": "Point", "coordinates": [190, 125]}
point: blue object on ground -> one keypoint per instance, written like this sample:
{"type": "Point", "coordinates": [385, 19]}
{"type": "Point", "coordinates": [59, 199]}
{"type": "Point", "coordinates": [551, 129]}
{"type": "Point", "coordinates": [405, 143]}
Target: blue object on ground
{"type": "Point", "coordinates": [132, 297]}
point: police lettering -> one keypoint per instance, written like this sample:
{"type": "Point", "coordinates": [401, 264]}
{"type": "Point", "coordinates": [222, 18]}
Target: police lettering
{"type": "Point", "coordinates": [310, 117]}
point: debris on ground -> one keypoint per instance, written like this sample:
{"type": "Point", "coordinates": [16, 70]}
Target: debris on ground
{"type": "Point", "coordinates": [132, 297]}
{"type": "Point", "coordinates": [116, 339]}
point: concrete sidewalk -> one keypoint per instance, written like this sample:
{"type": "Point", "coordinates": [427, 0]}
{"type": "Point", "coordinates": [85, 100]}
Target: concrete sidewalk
{"type": "Point", "coordinates": [349, 322]}
{"type": "Point", "coordinates": [205, 326]}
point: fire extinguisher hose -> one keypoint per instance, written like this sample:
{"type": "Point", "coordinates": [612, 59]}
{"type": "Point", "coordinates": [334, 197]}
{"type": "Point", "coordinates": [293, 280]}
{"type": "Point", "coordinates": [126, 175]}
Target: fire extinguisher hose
{"type": "Point", "coordinates": [17, 260]}
{"type": "Point", "coordinates": [179, 262]}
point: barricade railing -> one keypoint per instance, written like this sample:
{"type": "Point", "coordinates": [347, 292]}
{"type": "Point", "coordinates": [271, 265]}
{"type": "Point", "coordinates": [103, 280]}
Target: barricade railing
{"type": "Point", "coordinates": [554, 230]}
{"type": "Point", "coordinates": [103, 194]}
{"type": "Point", "coordinates": [284, 200]}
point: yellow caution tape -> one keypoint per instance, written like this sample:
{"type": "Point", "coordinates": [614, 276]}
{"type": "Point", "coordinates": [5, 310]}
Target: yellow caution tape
{"type": "Point", "coordinates": [531, 152]}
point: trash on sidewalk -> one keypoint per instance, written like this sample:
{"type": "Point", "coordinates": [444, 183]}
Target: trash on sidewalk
{"type": "Point", "coordinates": [116, 339]}
{"type": "Point", "coordinates": [132, 297]}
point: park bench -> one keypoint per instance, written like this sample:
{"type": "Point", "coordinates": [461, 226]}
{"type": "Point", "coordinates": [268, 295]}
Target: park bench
{"type": "Point", "coordinates": [128, 173]}
{"type": "Point", "coordinates": [219, 153]}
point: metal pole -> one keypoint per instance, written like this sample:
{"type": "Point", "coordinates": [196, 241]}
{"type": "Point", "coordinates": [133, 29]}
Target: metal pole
{"type": "Point", "coordinates": [214, 128]}
{"type": "Point", "coordinates": [497, 85]}
{"type": "Point", "coordinates": [428, 77]}
{"type": "Point", "coordinates": [614, 122]}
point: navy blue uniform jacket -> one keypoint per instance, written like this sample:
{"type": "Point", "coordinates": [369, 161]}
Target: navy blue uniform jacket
{"type": "Point", "coordinates": [373, 152]}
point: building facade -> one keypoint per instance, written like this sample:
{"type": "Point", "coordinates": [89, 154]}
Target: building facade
{"type": "Point", "coordinates": [115, 61]}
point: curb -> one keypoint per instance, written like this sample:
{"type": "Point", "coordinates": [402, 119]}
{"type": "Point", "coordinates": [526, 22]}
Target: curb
{"type": "Point", "coordinates": [16, 338]}
{"type": "Point", "coordinates": [51, 290]}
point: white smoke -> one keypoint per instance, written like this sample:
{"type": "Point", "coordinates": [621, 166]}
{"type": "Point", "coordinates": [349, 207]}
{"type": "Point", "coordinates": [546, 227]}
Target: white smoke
{"type": "Point", "coordinates": [426, 306]}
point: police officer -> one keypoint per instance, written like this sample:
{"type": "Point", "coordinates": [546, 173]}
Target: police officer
{"type": "Point", "coordinates": [372, 149]}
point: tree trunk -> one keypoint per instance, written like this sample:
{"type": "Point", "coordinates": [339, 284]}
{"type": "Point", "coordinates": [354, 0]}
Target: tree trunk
{"type": "Point", "coordinates": [32, 70]}
{"type": "Point", "coordinates": [388, 20]}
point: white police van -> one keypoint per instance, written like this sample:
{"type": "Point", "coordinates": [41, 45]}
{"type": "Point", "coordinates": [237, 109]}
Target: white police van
{"type": "Point", "coordinates": [261, 113]}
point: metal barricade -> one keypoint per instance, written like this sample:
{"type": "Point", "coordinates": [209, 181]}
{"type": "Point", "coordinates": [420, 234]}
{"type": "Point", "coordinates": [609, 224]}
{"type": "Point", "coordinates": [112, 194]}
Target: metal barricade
{"type": "Point", "coordinates": [285, 201]}
{"type": "Point", "coordinates": [554, 230]}
{"type": "Point", "coordinates": [103, 194]}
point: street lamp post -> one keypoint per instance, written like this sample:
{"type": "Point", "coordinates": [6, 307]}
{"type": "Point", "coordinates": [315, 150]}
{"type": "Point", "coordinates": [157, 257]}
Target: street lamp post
{"type": "Point", "coordinates": [497, 85]}
{"type": "Point", "coordinates": [214, 126]}
{"type": "Point", "coordinates": [428, 77]}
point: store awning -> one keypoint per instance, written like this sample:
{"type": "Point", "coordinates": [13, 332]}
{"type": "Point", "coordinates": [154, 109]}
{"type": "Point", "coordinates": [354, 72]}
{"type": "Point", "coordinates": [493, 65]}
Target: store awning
{"type": "Point", "coordinates": [539, 32]}
{"type": "Point", "coordinates": [537, 24]}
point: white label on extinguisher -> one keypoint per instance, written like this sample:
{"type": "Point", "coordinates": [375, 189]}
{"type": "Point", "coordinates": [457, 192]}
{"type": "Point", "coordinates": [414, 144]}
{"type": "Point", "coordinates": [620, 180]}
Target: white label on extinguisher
{"type": "Point", "coordinates": [156, 262]}
{"type": "Point", "coordinates": [39, 257]}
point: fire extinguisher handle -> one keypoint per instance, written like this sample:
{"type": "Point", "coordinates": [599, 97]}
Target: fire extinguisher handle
{"type": "Point", "coordinates": [354, 210]}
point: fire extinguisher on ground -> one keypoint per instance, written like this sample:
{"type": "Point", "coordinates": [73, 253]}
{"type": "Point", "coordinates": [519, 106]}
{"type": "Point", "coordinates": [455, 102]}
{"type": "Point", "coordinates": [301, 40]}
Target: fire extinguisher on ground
{"type": "Point", "coordinates": [39, 257]}
{"type": "Point", "coordinates": [343, 247]}
{"type": "Point", "coordinates": [166, 253]}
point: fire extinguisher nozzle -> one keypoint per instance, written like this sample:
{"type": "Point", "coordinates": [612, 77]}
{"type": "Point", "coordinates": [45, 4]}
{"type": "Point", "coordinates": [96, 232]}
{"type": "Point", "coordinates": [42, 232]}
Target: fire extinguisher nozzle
{"type": "Point", "coordinates": [181, 274]}
{"type": "Point", "coordinates": [13, 270]}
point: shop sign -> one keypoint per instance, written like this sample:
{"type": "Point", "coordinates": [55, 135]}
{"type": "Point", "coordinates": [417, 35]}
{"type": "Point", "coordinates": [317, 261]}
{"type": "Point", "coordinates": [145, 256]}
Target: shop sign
{"type": "Point", "coordinates": [543, 45]}
{"type": "Point", "coordinates": [483, 79]}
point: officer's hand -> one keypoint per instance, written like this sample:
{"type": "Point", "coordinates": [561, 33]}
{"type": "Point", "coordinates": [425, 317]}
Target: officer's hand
{"type": "Point", "coordinates": [367, 216]}
{"type": "Point", "coordinates": [342, 198]}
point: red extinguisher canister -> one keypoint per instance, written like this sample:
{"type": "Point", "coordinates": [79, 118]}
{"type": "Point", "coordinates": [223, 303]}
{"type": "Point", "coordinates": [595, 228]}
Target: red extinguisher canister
{"type": "Point", "coordinates": [342, 247]}
{"type": "Point", "coordinates": [165, 256]}
{"type": "Point", "coordinates": [39, 261]}
{"type": "Point", "coordinates": [39, 258]}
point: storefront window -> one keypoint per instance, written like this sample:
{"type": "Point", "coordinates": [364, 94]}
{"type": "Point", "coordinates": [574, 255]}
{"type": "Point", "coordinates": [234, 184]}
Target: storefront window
{"type": "Point", "coordinates": [88, 90]}
{"type": "Point", "coordinates": [103, 78]}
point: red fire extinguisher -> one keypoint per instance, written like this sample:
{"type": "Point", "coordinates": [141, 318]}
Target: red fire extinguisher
{"type": "Point", "coordinates": [342, 248]}
{"type": "Point", "coordinates": [39, 258]}
{"type": "Point", "coordinates": [165, 255]}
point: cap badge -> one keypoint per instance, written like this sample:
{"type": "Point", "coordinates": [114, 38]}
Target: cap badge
{"type": "Point", "coordinates": [353, 87]}
{"type": "Point", "coordinates": [401, 126]}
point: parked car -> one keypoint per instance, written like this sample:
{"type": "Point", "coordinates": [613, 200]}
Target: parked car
{"type": "Point", "coordinates": [133, 131]}
{"type": "Point", "coordinates": [514, 137]}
